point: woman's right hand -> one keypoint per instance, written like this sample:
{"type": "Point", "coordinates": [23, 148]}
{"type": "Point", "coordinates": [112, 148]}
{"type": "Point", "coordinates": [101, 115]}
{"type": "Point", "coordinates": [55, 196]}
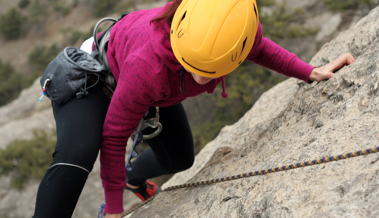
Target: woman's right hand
{"type": "Point", "coordinates": [326, 71]}
{"type": "Point", "coordinates": [113, 215]}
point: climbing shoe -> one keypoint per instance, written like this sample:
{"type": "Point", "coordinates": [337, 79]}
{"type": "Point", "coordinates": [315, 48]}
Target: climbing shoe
{"type": "Point", "coordinates": [146, 190]}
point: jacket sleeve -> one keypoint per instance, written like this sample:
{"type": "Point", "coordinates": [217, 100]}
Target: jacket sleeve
{"type": "Point", "coordinates": [131, 99]}
{"type": "Point", "coordinates": [272, 56]}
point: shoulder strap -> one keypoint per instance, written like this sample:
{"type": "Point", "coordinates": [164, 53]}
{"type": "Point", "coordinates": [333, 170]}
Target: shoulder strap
{"type": "Point", "coordinates": [122, 16]}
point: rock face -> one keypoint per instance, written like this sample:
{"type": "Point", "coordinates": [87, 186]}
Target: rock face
{"type": "Point", "coordinates": [21, 116]}
{"type": "Point", "coordinates": [291, 123]}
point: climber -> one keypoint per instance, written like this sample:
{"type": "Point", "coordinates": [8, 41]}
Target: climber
{"type": "Point", "coordinates": [158, 57]}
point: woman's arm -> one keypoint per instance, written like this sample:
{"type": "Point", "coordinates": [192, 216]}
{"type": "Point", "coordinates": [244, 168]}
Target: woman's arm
{"type": "Point", "coordinates": [272, 56]}
{"type": "Point", "coordinates": [135, 92]}
{"type": "Point", "coordinates": [268, 54]}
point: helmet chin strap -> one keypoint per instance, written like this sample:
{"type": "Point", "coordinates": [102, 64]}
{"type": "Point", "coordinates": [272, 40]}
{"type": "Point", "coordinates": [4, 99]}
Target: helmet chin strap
{"type": "Point", "coordinates": [223, 94]}
{"type": "Point", "coordinates": [183, 81]}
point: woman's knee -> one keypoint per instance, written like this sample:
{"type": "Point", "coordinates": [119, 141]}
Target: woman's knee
{"type": "Point", "coordinates": [183, 163]}
{"type": "Point", "coordinates": [77, 155]}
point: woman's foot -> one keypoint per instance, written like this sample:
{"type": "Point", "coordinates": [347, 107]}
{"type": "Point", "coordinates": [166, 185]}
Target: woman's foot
{"type": "Point", "coordinates": [145, 191]}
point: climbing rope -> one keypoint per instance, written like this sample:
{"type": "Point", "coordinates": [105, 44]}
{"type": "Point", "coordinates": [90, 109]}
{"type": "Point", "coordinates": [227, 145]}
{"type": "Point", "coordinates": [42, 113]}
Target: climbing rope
{"type": "Point", "coordinates": [262, 172]}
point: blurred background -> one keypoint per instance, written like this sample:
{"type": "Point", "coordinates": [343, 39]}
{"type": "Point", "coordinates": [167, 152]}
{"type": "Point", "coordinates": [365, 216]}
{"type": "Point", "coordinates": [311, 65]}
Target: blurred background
{"type": "Point", "coordinates": [33, 32]}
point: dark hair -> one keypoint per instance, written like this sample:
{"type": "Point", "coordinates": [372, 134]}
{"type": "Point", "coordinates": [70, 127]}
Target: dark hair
{"type": "Point", "coordinates": [169, 13]}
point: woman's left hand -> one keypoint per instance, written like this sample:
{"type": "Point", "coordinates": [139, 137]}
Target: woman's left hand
{"type": "Point", "coordinates": [111, 215]}
{"type": "Point", "coordinates": [326, 71]}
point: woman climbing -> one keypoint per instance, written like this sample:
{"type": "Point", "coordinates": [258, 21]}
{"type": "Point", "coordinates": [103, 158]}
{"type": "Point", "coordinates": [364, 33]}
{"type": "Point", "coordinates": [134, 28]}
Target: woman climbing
{"type": "Point", "coordinates": [158, 57]}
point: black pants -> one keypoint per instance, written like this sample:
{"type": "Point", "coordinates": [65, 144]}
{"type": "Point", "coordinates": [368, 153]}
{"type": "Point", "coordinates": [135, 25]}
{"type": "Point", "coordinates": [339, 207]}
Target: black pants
{"type": "Point", "coordinates": [79, 127]}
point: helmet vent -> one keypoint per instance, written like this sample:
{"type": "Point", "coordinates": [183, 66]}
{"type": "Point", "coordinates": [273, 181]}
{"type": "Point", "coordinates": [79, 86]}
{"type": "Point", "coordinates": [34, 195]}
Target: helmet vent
{"type": "Point", "coordinates": [179, 33]}
{"type": "Point", "coordinates": [234, 58]}
{"type": "Point", "coordinates": [184, 15]}
{"type": "Point", "coordinates": [243, 45]}
{"type": "Point", "coordinates": [255, 10]}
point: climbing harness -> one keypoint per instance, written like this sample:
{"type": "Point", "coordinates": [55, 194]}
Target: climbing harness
{"type": "Point", "coordinates": [151, 120]}
{"type": "Point", "coordinates": [101, 45]}
{"type": "Point", "coordinates": [183, 81]}
{"type": "Point", "coordinates": [262, 172]}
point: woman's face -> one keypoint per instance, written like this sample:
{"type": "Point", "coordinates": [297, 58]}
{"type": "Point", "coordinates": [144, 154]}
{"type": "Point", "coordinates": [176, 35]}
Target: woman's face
{"type": "Point", "coordinates": [200, 79]}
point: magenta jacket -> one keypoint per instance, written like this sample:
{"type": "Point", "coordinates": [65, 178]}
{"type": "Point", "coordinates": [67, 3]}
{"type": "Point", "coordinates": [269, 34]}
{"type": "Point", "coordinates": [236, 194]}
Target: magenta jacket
{"type": "Point", "coordinates": [148, 74]}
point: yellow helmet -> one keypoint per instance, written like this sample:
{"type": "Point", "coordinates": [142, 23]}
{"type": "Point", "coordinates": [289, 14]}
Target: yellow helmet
{"type": "Point", "coordinates": [212, 38]}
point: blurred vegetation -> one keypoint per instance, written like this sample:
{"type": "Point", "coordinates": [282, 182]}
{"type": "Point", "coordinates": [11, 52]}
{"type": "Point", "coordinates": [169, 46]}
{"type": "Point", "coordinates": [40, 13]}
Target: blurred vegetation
{"type": "Point", "coordinates": [74, 36]}
{"type": "Point", "coordinates": [342, 5]}
{"type": "Point", "coordinates": [23, 3]}
{"type": "Point", "coordinates": [42, 55]}
{"type": "Point", "coordinates": [104, 7]}
{"type": "Point", "coordinates": [37, 12]}
{"type": "Point", "coordinates": [11, 82]}
{"type": "Point", "coordinates": [283, 23]}
{"type": "Point", "coordinates": [262, 3]}
{"type": "Point", "coordinates": [61, 7]}
{"type": "Point", "coordinates": [11, 25]}
{"type": "Point", "coordinates": [28, 159]}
